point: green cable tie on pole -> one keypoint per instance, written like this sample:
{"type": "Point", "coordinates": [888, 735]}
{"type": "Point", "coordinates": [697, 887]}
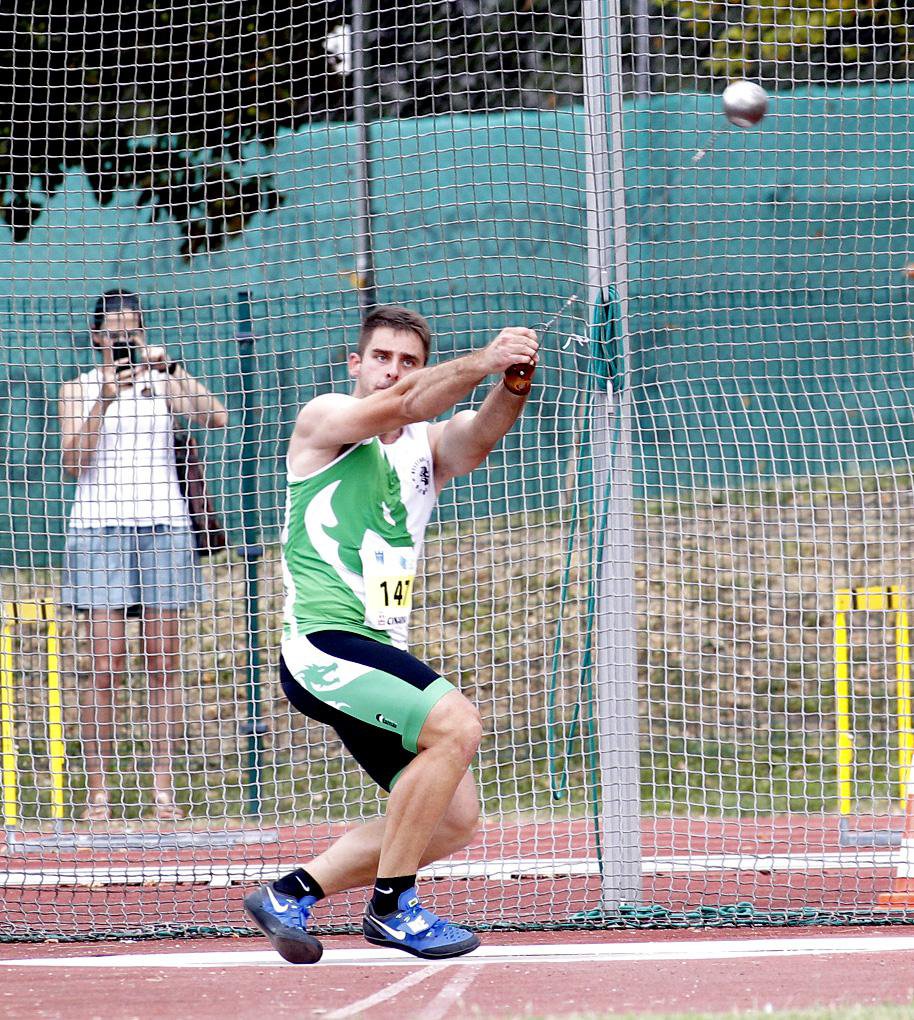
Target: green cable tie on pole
{"type": "Point", "coordinates": [601, 368]}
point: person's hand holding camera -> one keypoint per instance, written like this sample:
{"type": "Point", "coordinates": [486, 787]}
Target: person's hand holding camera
{"type": "Point", "coordinates": [158, 361]}
{"type": "Point", "coordinates": [118, 362]}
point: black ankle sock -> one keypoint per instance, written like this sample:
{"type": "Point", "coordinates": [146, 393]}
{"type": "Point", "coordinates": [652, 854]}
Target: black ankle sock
{"type": "Point", "coordinates": [299, 883]}
{"type": "Point", "coordinates": [387, 893]}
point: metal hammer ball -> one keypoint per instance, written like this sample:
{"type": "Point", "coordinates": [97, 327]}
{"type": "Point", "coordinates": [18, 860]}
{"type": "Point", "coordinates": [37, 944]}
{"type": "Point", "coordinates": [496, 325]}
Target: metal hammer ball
{"type": "Point", "coordinates": [745, 103]}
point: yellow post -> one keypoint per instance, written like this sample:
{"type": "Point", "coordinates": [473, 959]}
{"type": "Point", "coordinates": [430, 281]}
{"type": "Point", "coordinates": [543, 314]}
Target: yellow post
{"type": "Point", "coordinates": [903, 684]}
{"type": "Point", "coordinates": [843, 701]}
{"type": "Point", "coordinates": [892, 599]}
{"type": "Point", "coordinates": [38, 612]}
{"type": "Point", "coordinates": [9, 779]}
{"type": "Point", "coordinates": [57, 752]}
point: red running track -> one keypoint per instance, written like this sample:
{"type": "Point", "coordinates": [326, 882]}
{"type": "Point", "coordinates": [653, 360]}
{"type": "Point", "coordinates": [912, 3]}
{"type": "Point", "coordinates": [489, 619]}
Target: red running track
{"type": "Point", "coordinates": [637, 972]}
{"type": "Point", "coordinates": [99, 904]}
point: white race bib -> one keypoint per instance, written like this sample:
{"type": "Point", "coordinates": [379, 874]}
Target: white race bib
{"type": "Point", "coordinates": [389, 573]}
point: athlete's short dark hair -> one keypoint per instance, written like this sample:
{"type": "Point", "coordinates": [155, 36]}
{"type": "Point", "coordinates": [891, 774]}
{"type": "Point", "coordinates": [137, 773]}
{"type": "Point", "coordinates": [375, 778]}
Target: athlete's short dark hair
{"type": "Point", "coordinates": [398, 318]}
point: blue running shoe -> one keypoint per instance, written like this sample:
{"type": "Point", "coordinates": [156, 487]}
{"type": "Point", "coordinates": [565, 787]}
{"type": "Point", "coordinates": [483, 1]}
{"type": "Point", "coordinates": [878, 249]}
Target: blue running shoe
{"type": "Point", "coordinates": [416, 930]}
{"type": "Point", "coordinates": [283, 919]}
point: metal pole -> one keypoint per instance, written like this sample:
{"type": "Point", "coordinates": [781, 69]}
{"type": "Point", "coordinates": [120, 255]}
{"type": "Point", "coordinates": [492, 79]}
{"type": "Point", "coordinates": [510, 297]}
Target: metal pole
{"type": "Point", "coordinates": [364, 253]}
{"type": "Point", "coordinates": [616, 680]}
{"type": "Point", "coordinates": [641, 54]}
{"type": "Point", "coordinates": [252, 550]}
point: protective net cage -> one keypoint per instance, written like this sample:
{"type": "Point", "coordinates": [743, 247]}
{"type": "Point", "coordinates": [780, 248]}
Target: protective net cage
{"type": "Point", "coordinates": [678, 592]}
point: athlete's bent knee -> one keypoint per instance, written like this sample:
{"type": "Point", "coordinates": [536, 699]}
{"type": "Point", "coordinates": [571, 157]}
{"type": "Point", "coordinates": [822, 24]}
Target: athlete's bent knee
{"type": "Point", "coordinates": [460, 738]}
{"type": "Point", "coordinates": [466, 732]}
{"type": "Point", "coordinates": [454, 725]}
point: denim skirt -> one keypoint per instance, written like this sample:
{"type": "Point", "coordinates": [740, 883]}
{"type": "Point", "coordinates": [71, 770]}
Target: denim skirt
{"type": "Point", "coordinates": [131, 565]}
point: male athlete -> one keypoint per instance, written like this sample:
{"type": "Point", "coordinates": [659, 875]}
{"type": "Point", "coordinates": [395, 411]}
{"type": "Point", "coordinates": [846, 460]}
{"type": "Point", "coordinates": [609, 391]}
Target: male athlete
{"type": "Point", "coordinates": [364, 472]}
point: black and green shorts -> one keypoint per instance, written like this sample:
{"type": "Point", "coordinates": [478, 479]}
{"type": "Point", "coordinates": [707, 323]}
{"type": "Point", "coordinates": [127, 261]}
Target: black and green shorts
{"type": "Point", "coordinates": [376, 697]}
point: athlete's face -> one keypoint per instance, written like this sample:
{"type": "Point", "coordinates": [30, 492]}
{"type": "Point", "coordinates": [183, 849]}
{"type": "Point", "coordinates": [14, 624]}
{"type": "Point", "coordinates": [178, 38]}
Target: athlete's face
{"type": "Point", "coordinates": [390, 355]}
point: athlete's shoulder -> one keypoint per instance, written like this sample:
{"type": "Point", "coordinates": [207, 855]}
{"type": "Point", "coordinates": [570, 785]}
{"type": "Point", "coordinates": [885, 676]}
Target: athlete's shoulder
{"type": "Point", "coordinates": [314, 416]}
{"type": "Point", "coordinates": [326, 403]}
{"type": "Point", "coordinates": [418, 429]}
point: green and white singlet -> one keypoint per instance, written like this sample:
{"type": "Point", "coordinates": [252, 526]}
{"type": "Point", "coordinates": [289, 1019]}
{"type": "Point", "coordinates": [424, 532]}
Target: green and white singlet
{"type": "Point", "coordinates": [352, 537]}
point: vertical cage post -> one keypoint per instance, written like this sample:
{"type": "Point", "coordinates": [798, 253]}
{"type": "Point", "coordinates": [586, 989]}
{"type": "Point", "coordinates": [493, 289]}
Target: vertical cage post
{"type": "Point", "coordinates": [252, 550]}
{"type": "Point", "coordinates": [616, 680]}
{"type": "Point", "coordinates": [364, 256]}
{"type": "Point", "coordinates": [641, 53]}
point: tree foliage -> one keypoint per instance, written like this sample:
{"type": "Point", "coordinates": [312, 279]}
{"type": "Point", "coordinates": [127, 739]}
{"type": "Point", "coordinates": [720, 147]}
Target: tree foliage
{"type": "Point", "coordinates": [782, 42]}
{"type": "Point", "coordinates": [473, 55]}
{"type": "Point", "coordinates": [160, 99]}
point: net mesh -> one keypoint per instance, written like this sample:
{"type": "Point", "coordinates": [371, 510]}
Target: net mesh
{"type": "Point", "coordinates": [257, 175]}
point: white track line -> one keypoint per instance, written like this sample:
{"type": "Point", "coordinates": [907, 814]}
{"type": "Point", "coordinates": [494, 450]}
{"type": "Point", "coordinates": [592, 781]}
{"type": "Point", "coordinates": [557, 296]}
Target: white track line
{"type": "Point", "coordinates": [497, 870]}
{"type": "Point", "coordinates": [854, 860]}
{"type": "Point", "coordinates": [450, 995]}
{"type": "Point", "coordinates": [570, 953]}
{"type": "Point", "coordinates": [390, 992]}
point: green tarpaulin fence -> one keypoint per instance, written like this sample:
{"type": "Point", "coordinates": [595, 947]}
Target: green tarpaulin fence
{"type": "Point", "coordinates": [776, 260]}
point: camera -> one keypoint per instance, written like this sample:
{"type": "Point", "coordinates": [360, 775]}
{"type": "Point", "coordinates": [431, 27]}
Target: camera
{"type": "Point", "coordinates": [127, 351]}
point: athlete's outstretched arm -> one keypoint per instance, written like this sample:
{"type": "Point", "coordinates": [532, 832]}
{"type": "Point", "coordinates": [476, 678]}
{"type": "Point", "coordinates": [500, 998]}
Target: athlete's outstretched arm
{"type": "Point", "coordinates": [333, 420]}
{"type": "Point", "coordinates": [461, 444]}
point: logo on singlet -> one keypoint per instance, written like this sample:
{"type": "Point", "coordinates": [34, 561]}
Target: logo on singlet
{"type": "Point", "coordinates": [422, 475]}
{"type": "Point", "coordinates": [384, 721]}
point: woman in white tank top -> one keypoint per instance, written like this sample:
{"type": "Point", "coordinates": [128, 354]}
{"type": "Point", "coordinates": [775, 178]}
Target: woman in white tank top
{"type": "Point", "coordinates": [129, 541]}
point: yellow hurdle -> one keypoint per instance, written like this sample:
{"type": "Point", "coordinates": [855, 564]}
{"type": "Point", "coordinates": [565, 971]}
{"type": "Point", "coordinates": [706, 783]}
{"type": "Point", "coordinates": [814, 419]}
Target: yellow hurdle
{"type": "Point", "coordinates": [892, 599]}
{"type": "Point", "coordinates": [8, 772]}
{"type": "Point", "coordinates": [14, 613]}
